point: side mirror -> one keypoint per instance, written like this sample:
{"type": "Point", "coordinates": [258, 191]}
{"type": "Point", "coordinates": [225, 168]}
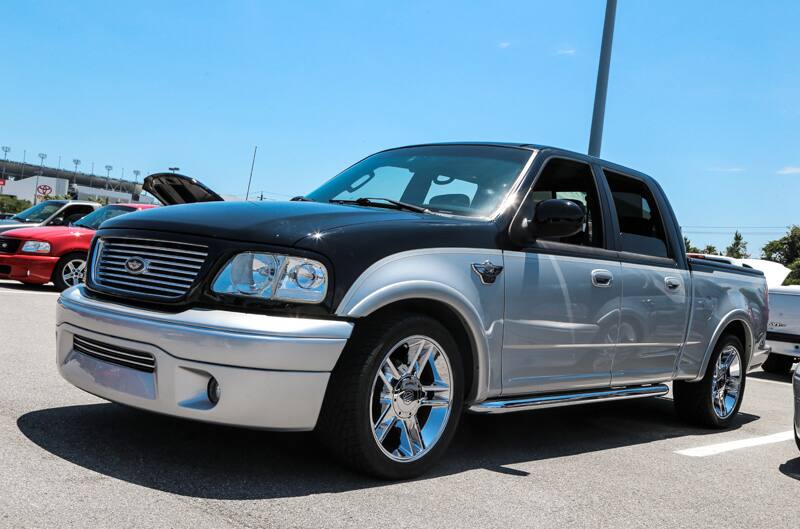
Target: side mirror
{"type": "Point", "coordinates": [556, 218]}
{"type": "Point", "coordinates": [58, 221]}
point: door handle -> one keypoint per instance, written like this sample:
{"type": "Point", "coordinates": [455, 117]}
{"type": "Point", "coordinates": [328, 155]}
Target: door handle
{"type": "Point", "coordinates": [672, 283]}
{"type": "Point", "coordinates": [602, 278]}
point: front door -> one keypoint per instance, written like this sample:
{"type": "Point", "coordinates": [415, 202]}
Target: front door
{"type": "Point", "coordinates": [562, 296]}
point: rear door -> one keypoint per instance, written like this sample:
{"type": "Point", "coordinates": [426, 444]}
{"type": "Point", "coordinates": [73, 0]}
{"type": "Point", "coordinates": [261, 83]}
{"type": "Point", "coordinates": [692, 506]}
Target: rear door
{"type": "Point", "coordinates": [562, 296]}
{"type": "Point", "coordinates": [655, 282]}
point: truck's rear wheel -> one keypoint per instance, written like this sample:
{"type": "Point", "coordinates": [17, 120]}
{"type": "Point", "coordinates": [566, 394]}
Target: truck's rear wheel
{"type": "Point", "coordinates": [778, 364]}
{"type": "Point", "coordinates": [714, 401]}
{"type": "Point", "coordinates": [394, 400]}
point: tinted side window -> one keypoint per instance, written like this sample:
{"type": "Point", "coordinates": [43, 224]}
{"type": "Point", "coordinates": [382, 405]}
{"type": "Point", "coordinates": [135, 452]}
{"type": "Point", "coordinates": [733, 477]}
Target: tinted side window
{"type": "Point", "coordinates": [570, 180]}
{"type": "Point", "coordinates": [640, 225]}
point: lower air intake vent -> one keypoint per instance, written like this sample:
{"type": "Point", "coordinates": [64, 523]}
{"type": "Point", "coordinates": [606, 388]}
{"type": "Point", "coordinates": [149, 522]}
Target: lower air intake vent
{"type": "Point", "coordinates": [114, 354]}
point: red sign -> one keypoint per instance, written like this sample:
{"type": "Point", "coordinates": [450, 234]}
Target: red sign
{"type": "Point", "coordinates": [2, 182]}
{"type": "Point", "coordinates": [44, 189]}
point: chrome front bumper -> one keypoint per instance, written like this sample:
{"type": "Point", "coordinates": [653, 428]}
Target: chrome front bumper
{"type": "Point", "coordinates": [272, 371]}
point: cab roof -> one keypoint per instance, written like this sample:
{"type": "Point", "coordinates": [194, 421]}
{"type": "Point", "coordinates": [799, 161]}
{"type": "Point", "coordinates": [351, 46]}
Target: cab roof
{"type": "Point", "coordinates": [549, 149]}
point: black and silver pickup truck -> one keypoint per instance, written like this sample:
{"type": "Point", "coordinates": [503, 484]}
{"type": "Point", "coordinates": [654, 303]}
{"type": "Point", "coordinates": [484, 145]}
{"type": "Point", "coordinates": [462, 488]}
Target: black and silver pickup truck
{"type": "Point", "coordinates": [419, 283]}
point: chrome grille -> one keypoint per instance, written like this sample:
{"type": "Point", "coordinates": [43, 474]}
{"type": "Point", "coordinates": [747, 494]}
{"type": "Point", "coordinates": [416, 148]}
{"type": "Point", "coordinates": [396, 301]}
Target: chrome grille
{"type": "Point", "coordinates": [114, 354]}
{"type": "Point", "coordinates": [168, 269]}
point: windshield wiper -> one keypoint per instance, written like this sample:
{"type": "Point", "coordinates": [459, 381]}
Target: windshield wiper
{"type": "Point", "coordinates": [375, 202]}
{"type": "Point", "coordinates": [300, 198]}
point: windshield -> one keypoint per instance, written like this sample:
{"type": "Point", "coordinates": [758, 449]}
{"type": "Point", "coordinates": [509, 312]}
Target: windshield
{"type": "Point", "coordinates": [467, 180]}
{"type": "Point", "coordinates": [39, 212]}
{"type": "Point", "coordinates": [94, 219]}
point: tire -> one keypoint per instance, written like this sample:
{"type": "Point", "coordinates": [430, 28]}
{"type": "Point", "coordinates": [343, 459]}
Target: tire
{"type": "Point", "coordinates": [699, 402]}
{"type": "Point", "coordinates": [365, 401]}
{"type": "Point", "coordinates": [778, 364]}
{"type": "Point", "coordinates": [68, 271]}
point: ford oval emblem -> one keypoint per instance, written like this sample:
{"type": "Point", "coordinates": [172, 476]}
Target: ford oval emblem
{"type": "Point", "coordinates": [136, 265]}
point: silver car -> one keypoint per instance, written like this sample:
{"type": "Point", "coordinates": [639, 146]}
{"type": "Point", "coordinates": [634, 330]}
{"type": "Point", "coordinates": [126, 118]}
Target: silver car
{"type": "Point", "coordinates": [49, 213]}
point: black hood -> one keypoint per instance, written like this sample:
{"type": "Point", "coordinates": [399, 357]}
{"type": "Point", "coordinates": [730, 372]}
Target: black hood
{"type": "Point", "coordinates": [351, 238]}
{"type": "Point", "coordinates": [278, 223]}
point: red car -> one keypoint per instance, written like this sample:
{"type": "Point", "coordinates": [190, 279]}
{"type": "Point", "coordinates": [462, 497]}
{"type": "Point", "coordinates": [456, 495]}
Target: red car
{"type": "Point", "coordinates": [54, 253]}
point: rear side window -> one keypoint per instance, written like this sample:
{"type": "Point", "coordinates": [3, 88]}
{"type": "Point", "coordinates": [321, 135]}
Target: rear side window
{"type": "Point", "coordinates": [640, 224]}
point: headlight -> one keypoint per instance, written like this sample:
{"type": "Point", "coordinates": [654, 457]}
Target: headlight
{"type": "Point", "coordinates": [273, 276]}
{"type": "Point", "coordinates": [36, 247]}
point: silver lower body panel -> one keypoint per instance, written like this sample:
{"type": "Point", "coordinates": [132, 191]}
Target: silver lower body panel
{"type": "Point", "coordinates": [759, 357]}
{"type": "Point", "coordinates": [260, 374]}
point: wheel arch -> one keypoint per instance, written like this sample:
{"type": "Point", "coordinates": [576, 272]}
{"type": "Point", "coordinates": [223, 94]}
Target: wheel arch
{"type": "Point", "coordinates": [736, 323]}
{"type": "Point", "coordinates": [448, 306]}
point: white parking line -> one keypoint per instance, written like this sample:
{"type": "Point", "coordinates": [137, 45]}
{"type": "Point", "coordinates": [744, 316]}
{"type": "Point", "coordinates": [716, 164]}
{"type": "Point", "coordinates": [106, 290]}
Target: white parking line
{"type": "Point", "coordinates": [719, 448]}
{"type": "Point", "coordinates": [787, 384]}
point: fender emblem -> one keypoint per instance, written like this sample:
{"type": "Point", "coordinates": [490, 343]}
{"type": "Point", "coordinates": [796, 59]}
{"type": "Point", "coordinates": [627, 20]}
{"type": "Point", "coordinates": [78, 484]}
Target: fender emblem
{"type": "Point", "coordinates": [487, 271]}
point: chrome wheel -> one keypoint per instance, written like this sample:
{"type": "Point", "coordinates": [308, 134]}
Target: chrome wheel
{"type": "Point", "coordinates": [73, 272]}
{"type": "Point", "coordinates": [726, 382]}
{"type": "Point", "coordinates": [411, 398]}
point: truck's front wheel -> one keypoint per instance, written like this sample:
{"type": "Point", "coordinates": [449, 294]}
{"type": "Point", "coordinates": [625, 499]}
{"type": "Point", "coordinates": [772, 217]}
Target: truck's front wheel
{"type": "Point", "coordinates": [714, 401]}
{"type": "Point", "coordinates": [393, 403]}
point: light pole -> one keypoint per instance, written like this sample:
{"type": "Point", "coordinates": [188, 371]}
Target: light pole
{"type": "Point", "coordinates": [108, 177]}
{"type": "Point", "coordinates": [42, 157]}
{"type": "Point", "coordinates": [136, 174]}
{"type": "Point", "coordinates": [174, 169]}
{"type": "Point", "coordinates": [77, 162]}
{"type": "Point", "coordinates": [249, 180]}
{"type": "Point", "coordinates": [599, 112]}
{"type": "Point", "coordinates": [6, 150]}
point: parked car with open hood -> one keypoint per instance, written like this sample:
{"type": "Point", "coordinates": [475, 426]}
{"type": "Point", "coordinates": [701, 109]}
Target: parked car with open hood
{"type": "Point", "coordinates": [418, 283]}
{"type": "Point", "coordinates": [49, 213]}
{"type": "Point", "coordinates": [54, 253]}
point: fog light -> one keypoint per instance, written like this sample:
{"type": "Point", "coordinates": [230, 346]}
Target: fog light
{"type": "Point", "coordinates": [214, 390]}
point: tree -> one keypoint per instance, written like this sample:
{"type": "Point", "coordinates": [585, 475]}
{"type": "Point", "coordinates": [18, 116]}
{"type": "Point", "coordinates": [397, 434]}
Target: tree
{"type": "Point", "coordinates": [786, 251]}
{"type": "Point", "coordinates": [738, 248]}
{"type": "Point", "coordinates": [9, 204]}
{"type": "Point", "coordinates": [710, 249]}
{"type": "Point", "coordinates": [690, 248]}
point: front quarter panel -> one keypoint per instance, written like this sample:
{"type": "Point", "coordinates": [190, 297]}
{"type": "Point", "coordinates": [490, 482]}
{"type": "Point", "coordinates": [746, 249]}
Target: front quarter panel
{"type": "Point", "coordinates": [444, 275]}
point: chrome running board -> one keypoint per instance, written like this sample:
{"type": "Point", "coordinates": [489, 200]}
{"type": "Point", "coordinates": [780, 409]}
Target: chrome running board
{"type": "Point", "coordinates": [552, 400]}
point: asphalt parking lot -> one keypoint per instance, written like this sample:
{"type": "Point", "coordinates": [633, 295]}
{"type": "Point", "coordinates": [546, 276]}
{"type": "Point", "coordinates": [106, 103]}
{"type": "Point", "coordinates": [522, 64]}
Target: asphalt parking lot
{"type": "Point", "coordinates": [69, 459]}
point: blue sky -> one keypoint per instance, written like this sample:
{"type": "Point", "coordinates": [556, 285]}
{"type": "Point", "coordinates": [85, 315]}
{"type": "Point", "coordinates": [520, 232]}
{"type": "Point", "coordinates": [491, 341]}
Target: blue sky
{"type": "Point", "coordinates": [702, 95]}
